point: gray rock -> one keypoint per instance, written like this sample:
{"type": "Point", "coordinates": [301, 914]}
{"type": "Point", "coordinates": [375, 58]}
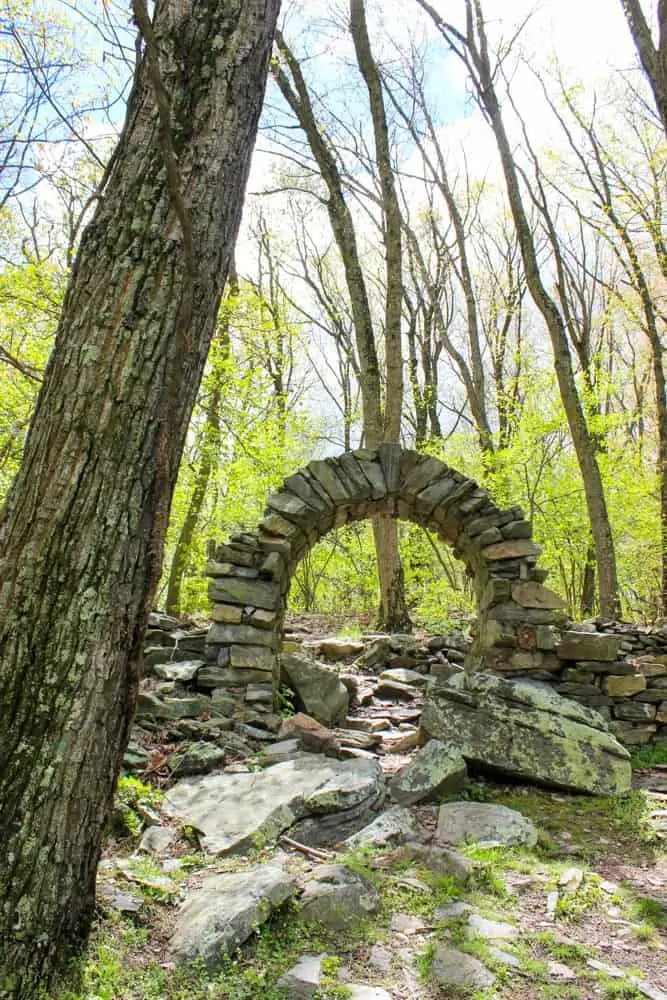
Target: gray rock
{"type": "Point", "coordinates": [404, 676]}
{"type": "Point", "coordinates": [303, 978]}
{"type": "Point", "coordinates": [434, 770]}
{"type": "Point", "coordinates": [283, 750]}
{"type": "Point", "coordinates": [169, 708]}
{"type": "Point", "coordinates": [492, 930]}
{"type": "Point", "coordinates": [525, 730]}
{"type": "Point", "coordinates": [588, 646]}
{"type": "Point", "coordinates": [197, 758]}
{"type": "Point", "coordinates": [360, 992]}
{"type": "Point", "coordinates": [336, 897]}
{"type": "Point", "coordinates": [380, 958]}
{"type": "Point", "coordinates": [235, 811]}
{"type": "Point", "coordinates": [454, 968]}
{"type": "Point", "coordinates": [340, 649]}
{"type": "Point", "coordinates": [182, 672]}
{"type": "Point", "coordinates": [439, 859]}
{"type": "Point", "coordinates": [225, 911]}
{"type": "Point", "coordinates": [324, 697]}
{"type": "Point", "coordinates": [485, 824]}
{"type": "Point", "coordinates": [158, 839]}
{"type": "Point", "coordinates": [505, 958]}
{"type": "Point", "coordinates": [394, 826]}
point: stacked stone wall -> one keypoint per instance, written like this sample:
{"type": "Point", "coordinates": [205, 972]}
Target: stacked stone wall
{"type": "Point", "coordinates": [617, 668]}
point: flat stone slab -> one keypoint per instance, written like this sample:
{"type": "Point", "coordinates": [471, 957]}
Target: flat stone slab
{"type": "Point", "coordinates": [324, 696]}
{"type": "Point", "coordinates": [360, 992]}
{"type": "Point", "coordinates": [233, 812]}
{"type": "Point", "coordinates": [492, 930]}
{"type": "Point", "coordinates": [225, 911]}
{"type": "Point", "coordinates": [485, 824]}
{"type": "Point", "coordinates": [434, 770]}
{"type": "Point", "coordinates": [301, 981]}
{"type": "Point", "coordinates": [337, 897]}
{"type": "Point", "coordinates": [394, 826]}
{"type": "Point", "coordinates": [588, 646]}
{"type": "Point", "coordinates": [524, 729]}
{"type": "Point", "coordinates": [451, 967]}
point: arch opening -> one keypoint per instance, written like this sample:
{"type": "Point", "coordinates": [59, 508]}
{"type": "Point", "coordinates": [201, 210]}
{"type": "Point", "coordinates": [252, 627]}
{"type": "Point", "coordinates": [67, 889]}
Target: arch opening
{"type": "Point", "coordinates": [251, 572]}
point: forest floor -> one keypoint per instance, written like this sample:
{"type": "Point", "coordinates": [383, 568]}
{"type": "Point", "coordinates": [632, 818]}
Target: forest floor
{"type": "Point", "coordinates": [587, 908]}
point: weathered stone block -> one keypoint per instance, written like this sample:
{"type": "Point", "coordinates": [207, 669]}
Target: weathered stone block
{"type": "Point", "coordinates": [293, 508]}
{"type": "Point", "coordinates": [518, 529]}
{"type": "Point", "coordinates": [661, 715]}
{"type": "Point", "coordinates": [433, 495]}
{"type": "Point", "coordinates": [262, 619]}
{"type": "Point", "coordinates": [631, 735]}
{"type": "Point", "coordinates": [226, 635]}
{"type": "Point", "coordinates": [534, 595]}
{"type": "Point", "coordinates": [303, 488]}
{"type": "Point", "coordinates": [370, 466]}
{"type": "Point", "coordinates": [256, 593]}
{"type": "Point", "coordinates": [251, 657]}
{"type": "Point", "coordinates": [635, 711]}
{"type": "Point", "coordinates": [423, 474]}
{"type": "Point", "coordinates": [650, 668]}
{"type": "Point", "coordinates": [229, 614]}
{"type": "Point", "coordinates": [588, 646]}
{"type": "Point", "coordinates": [240, 555]}
{"type": "Point", "coordinates": [494, 519]}
{"type": "Point", "coordinates": [623, 687]}
{"type": "Point", "coordinates": [225, 677]}
{"type": "Point", "coordinates": [275, 524]}
{"type": "Point", "coordinates": [390, 460]}
{"type": "Point", "coordinates": [216, 569]}
{"type": "Point", "coordinates": [511, 549]}
{"type": "Point", "coordinates": [434, 770]}
{"type": "Point", "coordinates": [489, 537]}
{"type": "Point", "coordinates": [512, 612]}
{"type": "Point", "coordinates": [325, 474]}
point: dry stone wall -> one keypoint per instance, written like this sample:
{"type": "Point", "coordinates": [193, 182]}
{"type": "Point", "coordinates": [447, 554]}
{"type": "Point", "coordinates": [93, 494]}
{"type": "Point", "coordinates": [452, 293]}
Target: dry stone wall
{"type": "Point", "coordinates": [251, 573]}
{"type": "Point", "coordinates": [619, 669]}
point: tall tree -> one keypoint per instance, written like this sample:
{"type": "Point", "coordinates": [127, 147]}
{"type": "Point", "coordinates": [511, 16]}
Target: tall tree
{"type": "Point", "coordinates": [653, 57]}
{"type": "Point", "coordinates": [472, 46]}
{"type": "Point", "coordinates": [381, 393]}
{"type": "Point", "coordinates": [81, 536]}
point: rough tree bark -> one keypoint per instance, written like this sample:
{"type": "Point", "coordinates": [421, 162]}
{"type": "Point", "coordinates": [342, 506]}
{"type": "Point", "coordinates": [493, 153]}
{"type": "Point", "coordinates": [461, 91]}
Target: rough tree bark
{"type": "Point", "coordinates": [81, 536]}
{"type": "Point", "coordinates": [653, 57]}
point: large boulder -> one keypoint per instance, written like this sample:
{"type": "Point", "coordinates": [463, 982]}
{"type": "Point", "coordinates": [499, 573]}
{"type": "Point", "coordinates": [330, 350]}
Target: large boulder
{"type": "Point", "coordinates": [524, 729]}
{"type": "Point", "coordinates": [324, 696]}
{"type": "Point", "coordinates": [234, 812]}
{"type": "Point", "coordinates": [337, 897]}
{"type": "Point", "coordinates": [483, 823]}
{"type": "Point", "coordinates": [434, 770]}
{"type": "Point", "coordinates": [224, 912]}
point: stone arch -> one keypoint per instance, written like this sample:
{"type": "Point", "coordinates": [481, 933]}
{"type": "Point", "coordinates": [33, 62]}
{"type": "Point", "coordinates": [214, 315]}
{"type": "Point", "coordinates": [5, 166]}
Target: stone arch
{"type": "Point", "coordinates": [251, 573]}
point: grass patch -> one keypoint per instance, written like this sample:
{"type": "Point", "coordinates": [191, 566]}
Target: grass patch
{"type": "Point", "coordinates": [649, 756]}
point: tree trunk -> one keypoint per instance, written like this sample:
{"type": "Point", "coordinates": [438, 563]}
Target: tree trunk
{"type": "Point", "coordinates": [82, 534]}
{"type": "Point", "coordinates": [210, 441]}
{"type": "Point", "coordinates": [653, 58]}
{"type": "Point", "coordinates": [393, 613]}
{"type": "Point", "coordinates": [483, 77]}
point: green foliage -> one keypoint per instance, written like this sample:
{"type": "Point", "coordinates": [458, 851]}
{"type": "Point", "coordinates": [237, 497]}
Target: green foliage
{"type": "Point", "coordinates": [133, 801]}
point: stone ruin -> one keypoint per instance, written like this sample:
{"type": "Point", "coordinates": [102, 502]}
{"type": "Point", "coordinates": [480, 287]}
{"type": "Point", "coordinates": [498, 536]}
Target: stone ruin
{"type": "Point", "coordinates": [251, 574]}
{"type": "Point", "coordinates": [521, 628]}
